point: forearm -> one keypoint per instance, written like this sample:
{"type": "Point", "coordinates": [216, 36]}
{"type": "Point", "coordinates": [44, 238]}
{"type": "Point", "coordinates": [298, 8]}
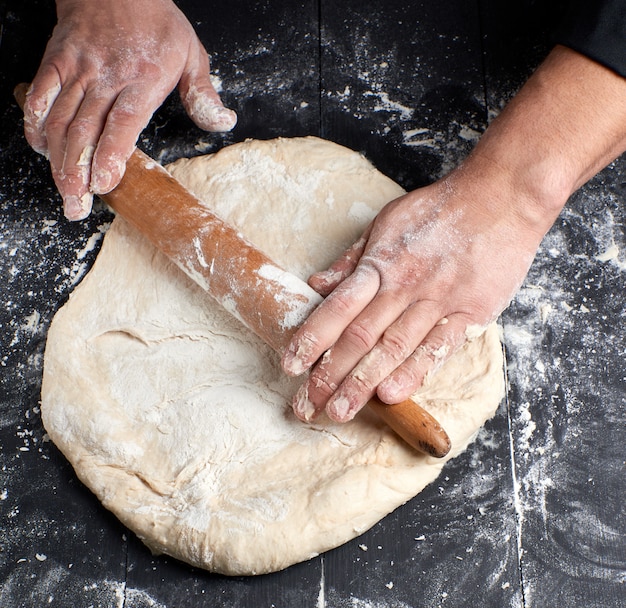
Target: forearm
{"type": "Point", "coordinates": [566, 124]}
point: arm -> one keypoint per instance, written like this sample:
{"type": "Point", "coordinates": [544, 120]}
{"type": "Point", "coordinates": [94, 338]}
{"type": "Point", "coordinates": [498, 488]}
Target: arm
{"type": "Point", "coordinates": [108, 66]}
{"type": "Point", "coordinates": [446, 259]}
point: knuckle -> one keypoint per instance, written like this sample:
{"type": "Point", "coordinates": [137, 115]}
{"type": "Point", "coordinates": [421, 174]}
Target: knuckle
{"type": "Point", "coordinates": [35, 139]}
{"type": "Point", "coordinates": [128, 116]}
{"type": "Point", "coordinates": [56, 124]}
{"type": "Point", "coordinates": [123, 114]}
{"type": "Point", "coordinates": [74, 176]}
{"type": "Point", "coordinates": [122, 70]}
{"type": "Point", "coordinates": [31, 121]}
{"type": "Point", "coordinates": [339, 303]}
{"type": "Point", "coordinates": [437, 344]}
{"type": "Point", "coordinates": [360, 335]}
{"type": "Point", "coordinates": [361, 383]}
{"type": "Point", "coordinates": [148, 70]}
{"type": "Point", "coordinates": [429, 357]}
{"type": "Point", "coordinates": [35, 105]}
{"type": "Point", "coordinates": [81, 124]}
{"type": "Point", "coordinates": [396, 343]}
{"type": "Point", "coordinates": [412, 378]}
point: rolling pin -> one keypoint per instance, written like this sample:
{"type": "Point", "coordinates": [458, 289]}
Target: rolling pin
{"type": "Point", "coordinates": [265, 298]}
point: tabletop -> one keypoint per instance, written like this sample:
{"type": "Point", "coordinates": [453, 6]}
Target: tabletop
{"type": "Point", "coordinates": [532, 514]}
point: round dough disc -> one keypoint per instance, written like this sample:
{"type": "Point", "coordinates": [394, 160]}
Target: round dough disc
{"type": "Point", "coordinates": [178, 418]}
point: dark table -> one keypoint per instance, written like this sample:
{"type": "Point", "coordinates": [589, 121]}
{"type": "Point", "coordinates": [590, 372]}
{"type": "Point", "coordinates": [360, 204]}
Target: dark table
{"type": "Point", "coordinates": [533, 514]}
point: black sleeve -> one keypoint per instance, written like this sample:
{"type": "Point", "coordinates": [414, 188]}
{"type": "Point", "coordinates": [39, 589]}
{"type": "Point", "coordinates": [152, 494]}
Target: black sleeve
{"type": "Point", "coordinates": [597, 29]}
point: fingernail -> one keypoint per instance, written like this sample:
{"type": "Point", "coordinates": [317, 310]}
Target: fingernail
{"type": "Point", "coordinates": [46, 101]}
{"type": "Point", "coordinates": [303, 407]}
{"type": "Point", "coordinates": [102, 179]}
{"type": "Point", "coordinates": [295, 359]}
{"type": "Point", "coordinates": [43, 151]}
{"type": "Point", "coordinates": [324, 280]}
{"type": "Point", "coordinates": [339, 409]}
{"type": "Point", "coordinates": [389, 389]}
{"type": "Point", "coordinates": [31, 134]}
{"type": "Point", "coordinates": [223, 118]}
{"type": "Point", "coordinates": [292, 364]}
{"type": "Point", "coordinates": [326, 275]}
{"type": "Point", "coordinates": [76, 208]}
{"type": "Point", "coordinates": [214, 117]}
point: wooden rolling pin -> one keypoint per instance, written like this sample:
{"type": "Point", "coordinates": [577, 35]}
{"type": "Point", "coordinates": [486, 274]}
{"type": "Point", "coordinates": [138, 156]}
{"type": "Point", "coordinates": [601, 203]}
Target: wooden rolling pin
{"type": "Point", "coordinates": [265, 298]}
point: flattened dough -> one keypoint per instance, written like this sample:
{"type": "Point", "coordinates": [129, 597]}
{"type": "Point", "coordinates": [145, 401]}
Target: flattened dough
{"type": "Point", "coordinates": [178, 418]}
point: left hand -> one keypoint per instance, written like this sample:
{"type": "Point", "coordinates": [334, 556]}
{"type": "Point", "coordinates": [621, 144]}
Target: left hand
{"type": "Point", "coordinates": [434, 264]}
{"type": "Point", "coordinates": [449, 257]}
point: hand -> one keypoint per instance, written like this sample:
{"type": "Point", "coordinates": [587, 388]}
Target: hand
{"type": "Point", "coordinates": [108, 66]}
{"type": "Point", "coordinates": [446, 259]}
{"type": "Point", "coordinates": [435, 265]}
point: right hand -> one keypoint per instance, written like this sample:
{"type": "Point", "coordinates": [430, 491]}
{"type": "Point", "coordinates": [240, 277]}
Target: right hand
{"type": "Point", "coordinates": [108, 66]}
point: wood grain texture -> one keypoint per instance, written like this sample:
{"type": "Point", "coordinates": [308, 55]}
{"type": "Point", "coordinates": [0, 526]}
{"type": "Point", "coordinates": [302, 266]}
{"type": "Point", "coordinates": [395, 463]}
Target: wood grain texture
{"type": "Point", "coordinates": [533, 510]}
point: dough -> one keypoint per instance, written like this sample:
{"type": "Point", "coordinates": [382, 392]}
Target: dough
{"type": "Point", "coordinates": [178, 418]}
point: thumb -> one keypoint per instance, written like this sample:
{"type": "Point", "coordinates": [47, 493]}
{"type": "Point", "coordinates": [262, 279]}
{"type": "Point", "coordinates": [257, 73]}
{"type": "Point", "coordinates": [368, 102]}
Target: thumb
{"type": "Point", "coordinates": [201, 101]}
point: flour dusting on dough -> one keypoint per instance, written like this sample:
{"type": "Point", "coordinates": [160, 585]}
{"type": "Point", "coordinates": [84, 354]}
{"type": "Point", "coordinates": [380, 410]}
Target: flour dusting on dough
{"type": "Point", "coordinates": [141, 362]}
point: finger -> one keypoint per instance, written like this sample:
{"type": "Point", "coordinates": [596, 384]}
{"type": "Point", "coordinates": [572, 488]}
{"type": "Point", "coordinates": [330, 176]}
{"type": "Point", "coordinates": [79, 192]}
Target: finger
{"type": "Point", "coordinates": [302, 404]}
{"type": "Point", "coordinates": [72, 186]}
{"type": "Point", "coordinates": [39, 100]}
{"type": "Point", "coordinates": [200, 98]}
{"type": "Point", "coordinates": [83, 134]}
{"type": "Point", "coordinates": [396, 344]}
{"type": "Point", "coordinates": [328, 321]}
{"type": "Point", "coordinates": [326, 281]}
{"type": "Point", "coordinates": [437, 347]}
{"type": "Point", "coordinates": [128, 116]}
{"type": "Point", "coordinates": [358, 339]}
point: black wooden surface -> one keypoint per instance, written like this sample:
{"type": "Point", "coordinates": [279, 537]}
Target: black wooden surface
{"type": "Point", "coordinates": [532, 515]}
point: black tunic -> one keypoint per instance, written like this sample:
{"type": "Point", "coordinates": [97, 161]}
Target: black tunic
{"type": "Point", "coordinates": [597, 29]}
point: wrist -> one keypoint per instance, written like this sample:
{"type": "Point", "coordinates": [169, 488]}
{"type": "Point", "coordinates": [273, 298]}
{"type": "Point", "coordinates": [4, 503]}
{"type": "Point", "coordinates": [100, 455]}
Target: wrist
{"type": "Point", "coordinates": [530, 189]}
{"type": "Point", "coordinates": [522, 196]}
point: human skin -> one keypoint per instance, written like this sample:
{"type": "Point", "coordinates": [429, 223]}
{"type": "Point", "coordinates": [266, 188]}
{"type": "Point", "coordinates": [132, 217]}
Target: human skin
{"type": "Point", "coordinates": [445, 260]}
{"type": "Point", "coordinates": [107, 67]}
